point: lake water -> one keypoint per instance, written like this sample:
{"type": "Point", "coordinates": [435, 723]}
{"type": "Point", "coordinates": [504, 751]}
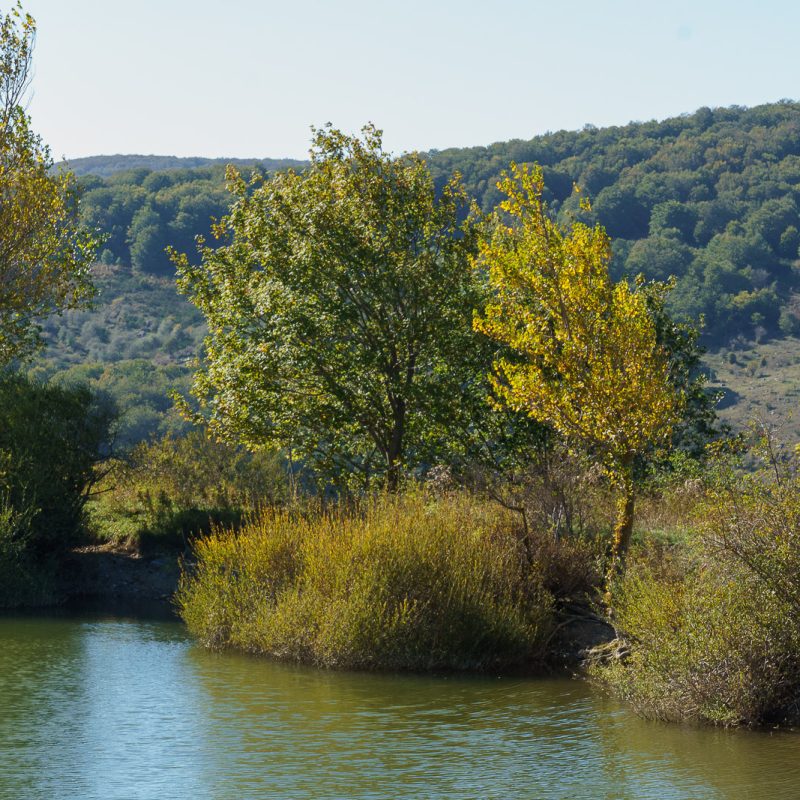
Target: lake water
{"type": "Point", "coordinates": [105, 707]}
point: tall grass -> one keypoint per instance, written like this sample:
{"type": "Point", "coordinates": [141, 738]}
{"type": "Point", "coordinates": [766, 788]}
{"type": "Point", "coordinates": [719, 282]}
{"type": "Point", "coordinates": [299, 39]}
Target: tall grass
{"type": "Point", "coordinates": [404, 582]}
{"type": "Point", "coordinates": [714, 633]}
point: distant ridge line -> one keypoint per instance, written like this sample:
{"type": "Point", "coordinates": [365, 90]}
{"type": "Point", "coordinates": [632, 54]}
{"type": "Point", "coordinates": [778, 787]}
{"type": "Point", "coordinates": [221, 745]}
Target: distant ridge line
{"type": "Point", "coordinates": [105, 166]}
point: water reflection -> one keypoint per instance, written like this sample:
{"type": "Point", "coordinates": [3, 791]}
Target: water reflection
{"type": "Point", "coordinates": [703, 762]}
{"type": "Point", "coordinates": [109, 708]}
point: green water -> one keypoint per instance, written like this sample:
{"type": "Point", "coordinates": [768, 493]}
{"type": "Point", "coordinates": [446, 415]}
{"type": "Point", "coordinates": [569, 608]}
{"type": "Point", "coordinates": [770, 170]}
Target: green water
{"type": "Point", "coordinates": [107, 707]}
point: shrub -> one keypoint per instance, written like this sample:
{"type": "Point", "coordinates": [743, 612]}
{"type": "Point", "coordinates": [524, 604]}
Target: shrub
{"type": "Point", "coordinates": [555, 488]}
{"type": "Point", "coordinates": [405, 582]}
{"type": "Point", "coordinates": [717, 651]}
{"type": "Point", "coordinates": [719, 640]}
{"type": "Point", "coordinates": [22, 580]}
{"type": "Point", "coordinates": [177, 487]}
{"type": "Point", "coordinates": [51, 439]}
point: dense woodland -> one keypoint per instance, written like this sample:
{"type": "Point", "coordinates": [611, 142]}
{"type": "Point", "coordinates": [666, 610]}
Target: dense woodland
{"type": "Point", "coordinates": [711, 198]}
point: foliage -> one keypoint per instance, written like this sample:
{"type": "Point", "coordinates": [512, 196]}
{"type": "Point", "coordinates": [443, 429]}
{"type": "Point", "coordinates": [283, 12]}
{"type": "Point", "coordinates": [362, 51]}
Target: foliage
{"type": "Point", "coordinates": [719, 187]}
{"type": "Point", "coordinates": [339, 311]}
{"type": "Point", "coordinates": [710, 197]}
{"type": "Point", "coordinates": [174, 488]}
{"type": "Point", "coordinates": [142, 212]}
{"type": "Point", "coordinates": [403, 583]}
{"type": "Point", "coordinates": [587, 360]}
{"type": "Point", "coordinates": [557, 491]}
{"type": "Point", "coordinates": [698, 424]}
{"type": "Point", "coordinates": [22, 580]}
{"type": "Point", "coordinates": [51, 439]}
{"type": "Point", "coordinates": [136, 165]}
{"type": "Point", "coordinates": [136, 346]}
{"type": "Point", "coordinates": [715, 651]}
{"type": "Point", "coordinates": [717, 640]}
{"type": "Point", "coordinates": [44, 252]}
{"type": "Point", "coordinates": [138, 388]}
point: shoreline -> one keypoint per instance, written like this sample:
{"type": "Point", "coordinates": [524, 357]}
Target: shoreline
{"type": "Point", "coordinates": [105, 577]}
{"type": "Point", "coordinates": [109, 579]}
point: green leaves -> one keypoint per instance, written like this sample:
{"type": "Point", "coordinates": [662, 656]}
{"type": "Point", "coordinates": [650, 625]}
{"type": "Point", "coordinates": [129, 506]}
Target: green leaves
{"type": "Point", "coordinates": [44, 253]}
{"type": "Point", "coordinates": [339, 310]}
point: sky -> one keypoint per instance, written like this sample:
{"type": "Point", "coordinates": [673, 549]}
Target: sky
{"type": "Point", "coordinates": [243, 78]}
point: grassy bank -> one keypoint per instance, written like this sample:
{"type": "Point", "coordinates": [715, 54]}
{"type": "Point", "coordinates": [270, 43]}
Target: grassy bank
{"type": "Point", "coordinates": [407, 582]}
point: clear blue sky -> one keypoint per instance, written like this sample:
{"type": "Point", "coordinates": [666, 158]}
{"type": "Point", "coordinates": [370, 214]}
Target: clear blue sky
{"type": "Point", "coordinates": [248, 78]}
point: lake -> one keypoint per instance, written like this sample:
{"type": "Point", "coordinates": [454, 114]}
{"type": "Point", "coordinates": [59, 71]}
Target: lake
{"type": "Point", "coordinates": [106, 707]}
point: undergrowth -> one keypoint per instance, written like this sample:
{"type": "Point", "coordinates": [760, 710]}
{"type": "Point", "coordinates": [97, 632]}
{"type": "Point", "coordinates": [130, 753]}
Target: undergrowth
{"type": "Point", "coordinates": [714, 630]}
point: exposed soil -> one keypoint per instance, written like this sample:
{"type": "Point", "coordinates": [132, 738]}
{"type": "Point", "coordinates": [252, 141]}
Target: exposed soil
{"type": "Point", "coordinates": [108, 573]}
{"type": "Point", "coordinates": [580, 636]}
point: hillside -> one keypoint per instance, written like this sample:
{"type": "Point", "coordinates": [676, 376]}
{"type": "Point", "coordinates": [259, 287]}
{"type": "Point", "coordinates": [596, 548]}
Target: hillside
{"type": "Point", "coordinates": [712, 198]}
{"type": "Point", "coordinates": [105, 166]}
{"type": "Point", "coordinates": [136, 345]}
{"type": "Point", "coordinates": [762, 385]}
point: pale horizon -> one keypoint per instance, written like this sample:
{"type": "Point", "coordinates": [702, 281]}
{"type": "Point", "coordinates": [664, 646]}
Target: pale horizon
{"type": "Point", "coordinates": [181, 78]}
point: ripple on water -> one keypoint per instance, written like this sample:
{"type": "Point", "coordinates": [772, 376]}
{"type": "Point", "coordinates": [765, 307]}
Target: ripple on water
{"type": "Point", "coordinates": [97, 707]}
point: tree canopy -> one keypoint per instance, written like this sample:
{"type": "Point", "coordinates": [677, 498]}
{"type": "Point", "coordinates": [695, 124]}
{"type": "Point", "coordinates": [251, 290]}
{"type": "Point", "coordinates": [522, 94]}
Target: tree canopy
{"type": "Point", "coordinates": [586, 357]}
{"type": "Point", "coordinates": [44, 252]}
{"type": "Point", "coordinates": [339, 309]}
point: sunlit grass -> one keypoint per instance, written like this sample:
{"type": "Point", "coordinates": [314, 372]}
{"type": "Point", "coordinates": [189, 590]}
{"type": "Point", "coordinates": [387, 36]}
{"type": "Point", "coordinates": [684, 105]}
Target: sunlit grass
{"type": "Point", "coordinates": [407, 582]}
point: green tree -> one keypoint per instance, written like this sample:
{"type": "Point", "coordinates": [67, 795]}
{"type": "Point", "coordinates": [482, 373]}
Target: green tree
{"type": "Point", "coordinates": [44, 253]}
{"type": "Point", "coordinates": [589, 363]}
{"type": "Point", "coordinates": [148, 241]}
{"type": "Point", "coordinates": [658, 258]}
{"type": "Point", "coordinates": [51, 440]}
{"type": "Point", "coordinates": [673, 216]}
{"type": "Point", "coordinates": [339, 310]}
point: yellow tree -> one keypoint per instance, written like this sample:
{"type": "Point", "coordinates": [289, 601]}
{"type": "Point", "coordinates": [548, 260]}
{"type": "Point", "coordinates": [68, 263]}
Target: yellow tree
{"type": "Point", "coordinates": [586, 359]}
{"type": "Point", "coordinates": [44, 253]}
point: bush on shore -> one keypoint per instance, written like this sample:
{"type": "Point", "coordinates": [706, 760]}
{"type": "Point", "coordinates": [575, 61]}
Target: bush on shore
{"type": "Point", "coordinates": [403, 582]}
{"type": "Point", "coordinates": [23, 580]}
{"type": "Point", "coordinates": [715, 636]}
{"type": "Point", "coordinates": [177, 487]}
{"type": "Point", "coordinates": [51, 441]}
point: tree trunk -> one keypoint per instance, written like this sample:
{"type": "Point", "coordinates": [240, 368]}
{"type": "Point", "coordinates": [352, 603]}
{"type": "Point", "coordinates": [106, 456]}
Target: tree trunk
{"type": "Point", "coordinates": [393, 477]}
{"type": "Point", "coordinates": [622, 530]}
{"type": "Point", "coordinates": [394, 452]}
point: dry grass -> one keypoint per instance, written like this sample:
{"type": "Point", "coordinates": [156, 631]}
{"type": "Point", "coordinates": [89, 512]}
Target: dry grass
{"type": "Point", "coordinates": [765, 381]}
{"type": "Point", "coordinates": [406, 582]}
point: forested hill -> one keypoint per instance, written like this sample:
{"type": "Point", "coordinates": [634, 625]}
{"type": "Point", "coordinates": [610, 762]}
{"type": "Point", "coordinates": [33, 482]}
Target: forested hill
{"type": "Point", "coordinates": [104, 166]}
{"type": "Point", "coordinates": [711, 197]}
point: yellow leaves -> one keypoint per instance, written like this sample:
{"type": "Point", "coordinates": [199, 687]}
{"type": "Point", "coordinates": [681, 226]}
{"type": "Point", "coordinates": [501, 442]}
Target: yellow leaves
{"type": "Point", "coordinates": [591, 367]}
{"type": "Point", "coordinates": [44, 254]}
